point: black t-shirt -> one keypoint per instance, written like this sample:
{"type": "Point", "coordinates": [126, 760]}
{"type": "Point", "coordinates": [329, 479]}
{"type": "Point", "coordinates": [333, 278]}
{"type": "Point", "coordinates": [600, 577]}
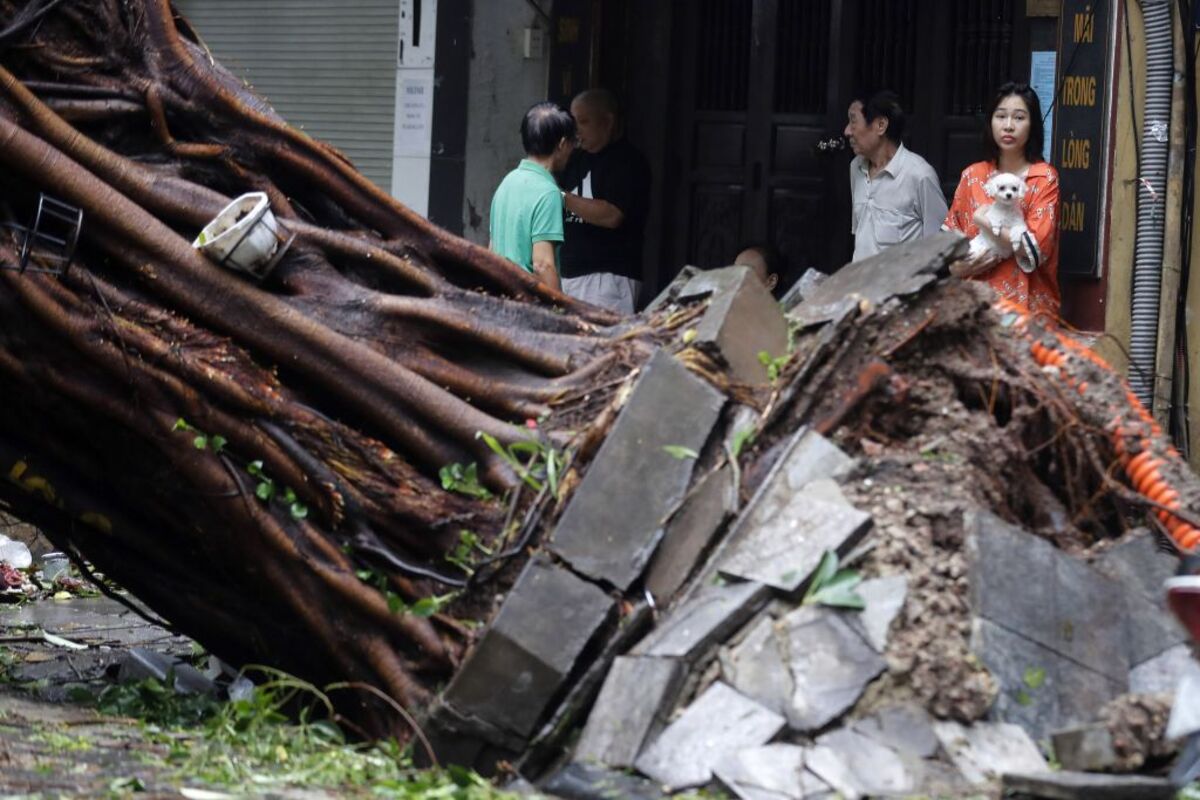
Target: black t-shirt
{"type": "Point", "coordinates": [620, 175]}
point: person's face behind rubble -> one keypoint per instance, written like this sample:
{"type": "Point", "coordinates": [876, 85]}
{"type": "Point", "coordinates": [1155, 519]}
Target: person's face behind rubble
{"type": "Point", "coordinates": [595, 127]}
{"type": "Point", "coordinates": [758, 265]}
{"type": "Point", "coordinates": [865, 137]}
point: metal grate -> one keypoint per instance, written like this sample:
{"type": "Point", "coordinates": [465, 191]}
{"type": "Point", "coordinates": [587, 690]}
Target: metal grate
{"type": "Point", "coordinates": [982, 33]}
{"type": "Point", "coordinates": [802, 56]}
{"type": "Point", "coordinates": [723, 55]}
{"type": "Point", "coordinates": [888, 47]}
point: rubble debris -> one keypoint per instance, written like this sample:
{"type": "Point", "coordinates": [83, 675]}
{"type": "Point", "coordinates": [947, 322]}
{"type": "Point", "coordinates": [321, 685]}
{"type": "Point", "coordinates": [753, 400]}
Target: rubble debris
{"type": "Point", "coordinates": [987, 750]}
{"type": "Point", "coordinates": [1088, 786]}
{"type": "Point", "coordinates": [772, 772]}
{"type": "Point", "coordinates": [633, 468]}
{"type": "Point", "coordinates": [632, 706]}
{"type": "Point", "coordinates": [718, 722]}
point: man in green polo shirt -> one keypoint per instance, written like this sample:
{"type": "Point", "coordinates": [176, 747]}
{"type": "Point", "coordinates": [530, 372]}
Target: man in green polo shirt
{"type": "Point", "coordinates": [526, 224]}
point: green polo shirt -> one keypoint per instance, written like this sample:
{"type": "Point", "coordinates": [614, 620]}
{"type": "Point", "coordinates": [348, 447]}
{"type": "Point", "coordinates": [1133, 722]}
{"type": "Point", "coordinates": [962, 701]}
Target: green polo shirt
{"type": "Point", "coordinates": [526, 208]}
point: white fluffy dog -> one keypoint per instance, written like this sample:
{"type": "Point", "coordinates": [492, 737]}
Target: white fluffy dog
{"type": "Point", "coordinates": [1006, 191]}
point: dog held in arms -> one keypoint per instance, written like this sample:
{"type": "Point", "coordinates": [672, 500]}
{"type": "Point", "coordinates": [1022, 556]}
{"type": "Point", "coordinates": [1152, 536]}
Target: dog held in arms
{"type": "Point", "coordinates": [1006, 191]}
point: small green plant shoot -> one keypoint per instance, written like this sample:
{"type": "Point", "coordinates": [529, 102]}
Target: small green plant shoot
{"type": "Point", "coordinates": [835, 587]}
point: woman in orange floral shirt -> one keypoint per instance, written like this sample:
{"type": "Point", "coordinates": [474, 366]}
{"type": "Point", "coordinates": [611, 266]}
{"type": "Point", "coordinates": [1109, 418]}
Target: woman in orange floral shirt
{"type": "Point", "coordinates": [1012, 139]}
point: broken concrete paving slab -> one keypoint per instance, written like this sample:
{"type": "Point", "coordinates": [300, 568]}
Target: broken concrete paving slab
{"type": "Point", "coordinates": [826, 489]}
{"type": "Point", "coordinates": [711, 503]}
{"type": "Point", "coordinates": [1027, 674]}
{"type": "Point", "coordinates": [905, 727]}
{"type": "Point", "coordinates": [1153, 630]}
{"type": "Point", "coordinates": [784, 549]}
{"type": "Point", "coordinates": [1164, 672]}
{"type": "Point", "coordinates": [884, 597]}
{"type": "Point", "coordinates": [830, 663]}
{"type": "Point", "coordinates": [1024, 584]}
{"type": "Point", "coordinates": [986, 750]}
{"type": "Point", "coordinates": [669, 407]}
{"type": "Point", "coordinates": [904, 269]}
{"type": "Point", "coordinates": [858, 766]}
{"type": "Point", "coordinates": [771, 772]}
{"type": "Point", "coordinates": [633, 703]}
{"type": "Point", "coordinates": [757, 665]}
{"type": "Point", "coordinates": [703, 620]}
{"type": "Point", "coordinates": [530, 648]}
{"type": "Point", "coordinates": [1089, 786]}
{"type": "Point", "coordinates": [742, 321]}
{"type": "Point", "coordinates": [720, 721]}
{"type": "Point", "coordinates": [1137, 561]}
{"type": "Point", "coordinates": [590, 782]}
{"type": "Point", "coordinates": [1084, 748]}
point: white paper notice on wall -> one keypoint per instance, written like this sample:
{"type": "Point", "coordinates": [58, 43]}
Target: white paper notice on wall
{"type": "Point", "coordinates": [414, 113]}
{"type": "Point", "coordinates": [418, 31]}
{"type": "Point", "coordinates": [1041, 79]}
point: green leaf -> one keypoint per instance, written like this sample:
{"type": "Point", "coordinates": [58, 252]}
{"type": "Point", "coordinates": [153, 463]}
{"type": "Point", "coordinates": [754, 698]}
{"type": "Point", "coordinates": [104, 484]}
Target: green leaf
{"type": "Point", "coordinates": [425, 607]}
{"type": "Point", "coordinates": [1023, 698]}
{"type": "Point", "coordinates": [218, 443]}
{"type": "Point", "coordinates": [741, 438]}
{"type": "Point", "coordinates": [552, 472]}
{"type": "Point", "coordinates": [839, 597]}
{"type": "Point", "coordinates": [298, 510]}
{"type": "Point", "coordinates": [825, 570]}
{"type": "Point", "coordinates": [679, 451]}
{"type": "Point", "coordinates": [395, 603]}
{"type": "Point", "coordinates": [254, 467]}
{"type": "Point", "coordinates": [181, 425]}
{"type": "Point", "coordinates": [1035, 677]}
{"type": "Point", "coordinates": [265, 490]}
{"type": "Point", "coordinates": [289, 496]}
{"type": "Point", "coordinates": [764, 358]}
{"type": "Point", "coordinates": [200, 442]}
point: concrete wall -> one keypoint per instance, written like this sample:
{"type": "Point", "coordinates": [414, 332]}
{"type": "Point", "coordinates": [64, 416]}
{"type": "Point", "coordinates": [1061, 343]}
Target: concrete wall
{"type": "Point", "coordinates": [503, 84]}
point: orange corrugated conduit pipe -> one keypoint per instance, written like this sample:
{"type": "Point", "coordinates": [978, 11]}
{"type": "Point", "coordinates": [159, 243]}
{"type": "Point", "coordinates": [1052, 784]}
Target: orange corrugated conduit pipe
{"type": "Point", "coordinates": [1142, 466]}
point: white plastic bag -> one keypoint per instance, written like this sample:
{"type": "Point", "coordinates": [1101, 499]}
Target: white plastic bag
{"type": "Point", "coordinates": [14, 553]}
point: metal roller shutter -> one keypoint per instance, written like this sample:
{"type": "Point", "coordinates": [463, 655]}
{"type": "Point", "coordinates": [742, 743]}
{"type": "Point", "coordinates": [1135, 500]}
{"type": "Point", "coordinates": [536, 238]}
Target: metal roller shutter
{"type": "Point", "coordinates": [328, 68]}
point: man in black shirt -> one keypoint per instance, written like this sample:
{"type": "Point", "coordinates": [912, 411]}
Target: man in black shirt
{"type": "Point", "coordinates": [607, 190]}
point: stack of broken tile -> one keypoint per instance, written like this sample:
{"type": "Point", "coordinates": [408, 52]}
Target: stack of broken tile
{"type": "Point", "coordinates": [737, 680]}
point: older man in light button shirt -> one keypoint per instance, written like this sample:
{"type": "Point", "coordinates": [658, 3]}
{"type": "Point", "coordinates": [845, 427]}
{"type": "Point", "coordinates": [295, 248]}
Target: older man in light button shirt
{"type": "Point", "coordinates": [895, 192]}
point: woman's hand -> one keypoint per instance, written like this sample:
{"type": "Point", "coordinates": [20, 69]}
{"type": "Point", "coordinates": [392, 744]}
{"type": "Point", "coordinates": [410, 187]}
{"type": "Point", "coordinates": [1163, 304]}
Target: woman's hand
{"type": "Point", "coordinates": [981, 219]}
{"type": "Point", "coordinates": [969, 267]}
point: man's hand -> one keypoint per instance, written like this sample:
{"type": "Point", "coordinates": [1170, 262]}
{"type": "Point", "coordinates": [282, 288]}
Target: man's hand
{"type": "Point", "coordinates": [601, 213]}
{"type": "Point", "coordinates": [544, 265]}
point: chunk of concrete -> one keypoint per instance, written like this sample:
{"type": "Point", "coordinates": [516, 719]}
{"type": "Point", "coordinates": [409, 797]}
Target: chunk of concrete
{"type": "Point", "coordinates": [858, 766]}
{"type": "Point", "coordinates": [771, 772]}
{"type": "Point", "coordinates": [1153, 630]}
{"type": "Point", "coordinates": [756, 666]}
{"type": "Point", "coordinates": [1089, 786]}
{"type": "Point", "coordinates": [709, 506]}
{"type": "Point", "coordinates": [884, 597]}
{"type": "Point", "coordinates": [1040, 690]}
{"type": "Point", "coordinates": [1137, 562]}
{"type": "Point", "coordinates": [632, 705]}
{"type": "Point", "coordinates": [720, 721]}
{"type": "Point", "coordinates": [533, 644]}
{"type": "Point", "coordinates": [703, 620]}
{"type": "Point", "coordinates": [986, 750]}
{"type": "Point", "coordinates": [830, 663]}
{"type": "Point", "coordinates": [1084, 748]}
{"type": "Point", "coordinates": [825, 489]}
{"type": "Point", "coordinates": [904, 269]}
{"type": "Point", "coordinates": [1024, 584]}
{"type": "Point", "coordinates": [1164, 672]}
{"type": "Point", "coordinates": [905, 727]}
{"type": "Point", "coordinates": [786, 548]}
{"type": "Point", "coordinates": [669, 406]}
{"type": "Point", "coordinates": [592, 782]}
{"type": "Point", "coordinates": [1185, 711]}
{"type": "Point", "coordinates": [743, 319]}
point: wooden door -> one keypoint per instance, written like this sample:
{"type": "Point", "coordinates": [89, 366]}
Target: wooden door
{"type": "Point", "coordinates": [761, 82]}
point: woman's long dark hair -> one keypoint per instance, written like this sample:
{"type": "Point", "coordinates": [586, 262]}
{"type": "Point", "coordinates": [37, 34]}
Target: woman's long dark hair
{"type": "Point", "coordinates": [1037, 135]}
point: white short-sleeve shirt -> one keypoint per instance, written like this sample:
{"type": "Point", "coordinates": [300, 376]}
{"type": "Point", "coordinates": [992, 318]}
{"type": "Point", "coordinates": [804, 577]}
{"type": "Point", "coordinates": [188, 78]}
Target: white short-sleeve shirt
{"type": "Point", "coordinates": [903, 201]}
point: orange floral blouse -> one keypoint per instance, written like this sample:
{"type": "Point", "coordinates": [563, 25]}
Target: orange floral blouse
{"type": "Point", "coordinates": [1030, 275]}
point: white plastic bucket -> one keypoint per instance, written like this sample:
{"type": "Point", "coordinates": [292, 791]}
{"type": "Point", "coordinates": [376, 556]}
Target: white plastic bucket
{"type": "Point", "coordinates": [244, 235]}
